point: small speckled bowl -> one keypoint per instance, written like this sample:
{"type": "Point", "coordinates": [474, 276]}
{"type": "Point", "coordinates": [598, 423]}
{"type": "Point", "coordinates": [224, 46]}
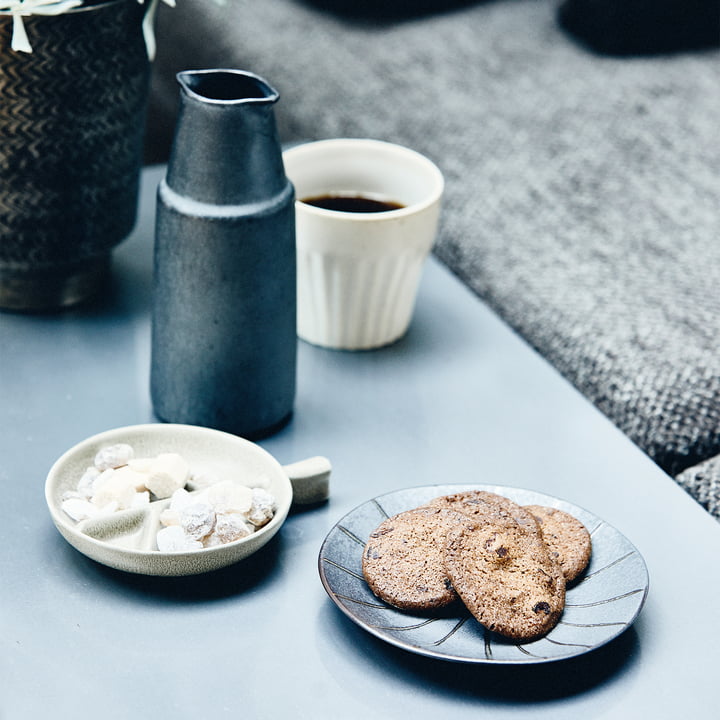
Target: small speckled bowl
{"type": "Point", "coordinates": [126, 539]}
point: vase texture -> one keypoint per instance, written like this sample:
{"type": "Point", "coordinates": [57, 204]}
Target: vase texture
{"type": "Point", "coordinates": [224, 338]}
{"type": "Point", "coordinates": [71, 140]}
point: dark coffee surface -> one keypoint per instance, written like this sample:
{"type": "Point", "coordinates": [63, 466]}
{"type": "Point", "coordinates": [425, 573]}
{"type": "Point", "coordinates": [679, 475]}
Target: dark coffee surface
{"type": "Point", "coordinates": [352, 203]}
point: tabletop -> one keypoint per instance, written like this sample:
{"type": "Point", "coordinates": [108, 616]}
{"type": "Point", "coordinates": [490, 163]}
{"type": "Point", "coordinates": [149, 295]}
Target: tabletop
{"type": "Point", "coordinates": [460, 399]}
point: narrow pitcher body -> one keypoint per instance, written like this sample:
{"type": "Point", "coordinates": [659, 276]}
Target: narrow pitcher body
{"type": "Point", "coordinates": [224, 338]}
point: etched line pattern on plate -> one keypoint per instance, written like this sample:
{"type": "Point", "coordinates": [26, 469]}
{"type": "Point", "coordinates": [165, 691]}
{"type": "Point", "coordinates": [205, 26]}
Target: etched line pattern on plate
{"type": "Point", "coordinates": [609, 565]}
{"type": "Point", "coordinates": [606, 601]}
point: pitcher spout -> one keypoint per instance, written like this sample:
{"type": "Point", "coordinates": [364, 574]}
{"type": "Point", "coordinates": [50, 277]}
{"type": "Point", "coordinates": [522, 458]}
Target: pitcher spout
{"type": "Point", "coordinates": [226, 86]}
{"type": "Point", "coordinates": [226, 129]}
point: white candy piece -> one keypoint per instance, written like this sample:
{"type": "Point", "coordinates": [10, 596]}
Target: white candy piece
{"type": "Point", "coordinates": [109, 508]}
{"type": "Point", "coordinates": [181, 498]}
{"type": "Point", "coordinates": [203, 480]}
{"type": "Point", "coordinates": [141, 465]}
{"type": "Point", "coordinates": [169, 517]}
{"type": "Point", "coordinates": [173, 539]}
{"type": "Point", "coordinates": [260, 481]}
{"type": "Point", "coordinates": [141, 499]}
{"type": "Point", "coordinates": [197, 520]}
{"type": "Point", "coordinates": [263, 507]}
{"type": "Point", "coordinates": [229, 497]}
{"type": "Point", "coordinates": [79, 509]}
{"type": "Point", "coordinates": [103, 477]}
{"type": "Point", "coordinates": [228, 528]}
{"type": "Point", "coordinates": [114, 486]}
{"type": "Point", "coordinates": [137, 479]}
{"type": "Point", "coordinates": [169, 472]}
{"type": "Point", "coordinates": [87, 481]}
{"type": "Point", "coordinates": [98, 482]}
{"type": "Point", "coordinates": [114, 456]}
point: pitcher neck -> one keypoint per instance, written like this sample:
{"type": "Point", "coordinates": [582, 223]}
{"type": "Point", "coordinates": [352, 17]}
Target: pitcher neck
{"type": "Point", "coordinates": [226, 148]}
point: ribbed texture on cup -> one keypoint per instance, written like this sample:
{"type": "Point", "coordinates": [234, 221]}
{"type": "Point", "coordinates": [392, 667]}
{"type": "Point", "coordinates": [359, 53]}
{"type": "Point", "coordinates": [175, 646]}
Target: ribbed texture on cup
{"type": "Point", "coordinates": [356, 304]}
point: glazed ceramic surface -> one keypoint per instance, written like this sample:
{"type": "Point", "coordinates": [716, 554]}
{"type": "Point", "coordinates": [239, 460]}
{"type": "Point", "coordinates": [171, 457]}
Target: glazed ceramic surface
{"type": "Point", "coordinates": [71, 122]}
{"type": "Point", "coordinates": [126, 539]}
{"type": "Point", "coordinates": [224, 340]}
{"type": "Point", "coordinates": [600, 605]}
{"type": "Point", "coordinates": [358, 273]}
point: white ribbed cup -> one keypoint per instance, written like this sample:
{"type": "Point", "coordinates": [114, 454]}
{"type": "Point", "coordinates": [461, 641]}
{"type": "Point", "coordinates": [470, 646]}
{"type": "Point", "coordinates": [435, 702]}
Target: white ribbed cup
{"type": "Point", "coordinates": [358, 273]}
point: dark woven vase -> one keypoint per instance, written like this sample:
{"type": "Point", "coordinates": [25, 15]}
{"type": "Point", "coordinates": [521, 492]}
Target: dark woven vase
{"type": "Point", "coordinates": [72, 117]}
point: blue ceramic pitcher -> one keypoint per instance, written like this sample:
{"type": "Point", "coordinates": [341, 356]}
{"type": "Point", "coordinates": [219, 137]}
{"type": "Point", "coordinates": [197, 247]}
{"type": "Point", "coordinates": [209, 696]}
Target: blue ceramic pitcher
{"type": "Point", "coordinates": [224, 339]}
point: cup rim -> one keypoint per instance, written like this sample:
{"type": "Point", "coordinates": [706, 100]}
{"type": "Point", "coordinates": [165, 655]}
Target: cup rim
{"type": "Point", "coordinates": [434, 195]}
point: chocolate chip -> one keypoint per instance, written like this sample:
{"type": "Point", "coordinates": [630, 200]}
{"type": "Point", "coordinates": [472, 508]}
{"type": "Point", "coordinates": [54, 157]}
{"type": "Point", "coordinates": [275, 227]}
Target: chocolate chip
{"type": "Point", "coordinates": [542, 607]}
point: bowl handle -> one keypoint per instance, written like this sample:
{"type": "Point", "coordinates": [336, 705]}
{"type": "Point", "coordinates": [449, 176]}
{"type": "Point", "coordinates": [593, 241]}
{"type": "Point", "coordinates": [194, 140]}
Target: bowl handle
{"type": "Point", "coordinates": [310, 480]}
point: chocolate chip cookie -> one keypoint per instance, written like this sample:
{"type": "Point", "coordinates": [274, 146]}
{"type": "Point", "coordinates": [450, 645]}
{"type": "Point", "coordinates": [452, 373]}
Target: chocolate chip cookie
{"type": "Point", "coordinates": [505, 577]}
{"type": "Point", "coordinates": [488, 507]}
{"type": "Point", "coordinates": [403, 559]}
{"type": "Point", "coordinates": [567, 539]}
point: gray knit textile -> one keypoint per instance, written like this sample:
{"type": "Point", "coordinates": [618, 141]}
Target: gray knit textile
{"type": "Point", "coordinates": [583, 192]}
{"type": "Point", "coordinates": [703, 482]}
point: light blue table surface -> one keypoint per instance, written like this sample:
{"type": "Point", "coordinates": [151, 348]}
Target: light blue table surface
{"type": "Point", "coordinates": [460, 399]}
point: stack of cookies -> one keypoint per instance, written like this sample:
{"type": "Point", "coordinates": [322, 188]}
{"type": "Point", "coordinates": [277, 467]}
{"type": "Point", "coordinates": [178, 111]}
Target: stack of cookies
{"type": "Point", "coordinates": [509, 564]}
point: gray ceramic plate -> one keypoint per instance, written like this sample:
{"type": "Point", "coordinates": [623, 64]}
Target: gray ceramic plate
{"type": "Point", "coordinates": [599, 606]}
